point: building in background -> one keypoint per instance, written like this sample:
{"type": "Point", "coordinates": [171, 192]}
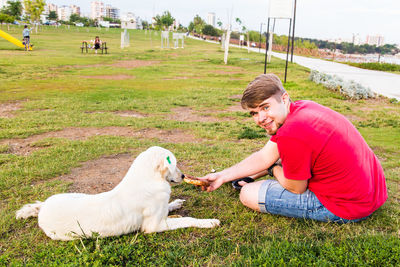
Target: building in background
{"type": "Point", "coordinates": [377, 40]}
{"type": "Point", "coordinates": [97, 10]}
{"type": "Point", "coordinates": [112, 12]}
{"type": "Point", "coordinates": [50, 7]}
{"type": "Point", "coordinates": [211, 18]}
{"type": "Point", "coordinates": [75, 9]}
{"type": "Point", "coordinates": [130, 21]}
{"type": "Point", "coordinates": [356, 40]}
{"type": "Point", "coordinates": [64, 13]}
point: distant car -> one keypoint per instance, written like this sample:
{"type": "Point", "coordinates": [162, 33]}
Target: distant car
{"type": "Point", "coordinates": [79, 24]}
{"type": "Point", "coordinates": [16, 22]}
{"type": "Point", "coordinates": [253, 44]}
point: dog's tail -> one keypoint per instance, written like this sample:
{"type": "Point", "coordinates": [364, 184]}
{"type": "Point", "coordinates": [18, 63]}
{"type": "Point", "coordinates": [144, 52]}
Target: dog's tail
{"type": "Point", "coordinates": [29, 210]}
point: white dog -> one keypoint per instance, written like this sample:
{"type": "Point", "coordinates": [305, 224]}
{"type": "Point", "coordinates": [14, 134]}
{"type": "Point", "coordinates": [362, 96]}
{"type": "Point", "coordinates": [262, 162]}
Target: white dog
{"type": "Point", "coordinates": [138, 202]}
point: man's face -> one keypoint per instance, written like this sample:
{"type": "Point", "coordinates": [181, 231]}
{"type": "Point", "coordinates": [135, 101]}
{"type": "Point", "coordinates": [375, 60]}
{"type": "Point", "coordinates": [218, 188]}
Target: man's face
{"type": "Point", "coordinates": [271, 113]}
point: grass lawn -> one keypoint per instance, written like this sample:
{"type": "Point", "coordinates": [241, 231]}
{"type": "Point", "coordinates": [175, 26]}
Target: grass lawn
{"type": "Point", "coordinates": [64, 113]}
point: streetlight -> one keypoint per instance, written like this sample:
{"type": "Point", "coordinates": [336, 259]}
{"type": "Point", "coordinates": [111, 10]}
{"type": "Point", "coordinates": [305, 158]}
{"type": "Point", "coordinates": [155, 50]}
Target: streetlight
{"type": "Point", "coordinates": [259, 43]}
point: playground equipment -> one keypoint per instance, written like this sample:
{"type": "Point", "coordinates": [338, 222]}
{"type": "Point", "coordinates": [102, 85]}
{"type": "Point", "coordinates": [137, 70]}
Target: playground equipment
{"type": "Point", "coordinates": [165, 39]}
{"type": "Point", "coordinates": [176, 37]}
{"type": "Point", "coordinates": [13, 40]}
{"type": "Point", "coordinates": [124, 39]}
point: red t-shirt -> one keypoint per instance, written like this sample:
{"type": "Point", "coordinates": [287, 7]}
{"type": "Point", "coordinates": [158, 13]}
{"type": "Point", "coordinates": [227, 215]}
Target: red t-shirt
{"type": "Point", "coordinates": [320, 145]}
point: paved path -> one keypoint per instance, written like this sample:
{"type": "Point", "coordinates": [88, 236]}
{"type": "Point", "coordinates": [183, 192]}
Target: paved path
{"type": "Point", "coordinates": [384, 83]}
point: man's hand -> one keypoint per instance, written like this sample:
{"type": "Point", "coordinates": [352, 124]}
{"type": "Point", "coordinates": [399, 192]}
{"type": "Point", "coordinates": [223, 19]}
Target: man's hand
{"type": "Point", "coordinates": [215, 180]}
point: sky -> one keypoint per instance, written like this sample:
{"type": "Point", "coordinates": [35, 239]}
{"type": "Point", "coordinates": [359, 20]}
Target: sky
{"type": "Point", "coordinates": [319, 19]}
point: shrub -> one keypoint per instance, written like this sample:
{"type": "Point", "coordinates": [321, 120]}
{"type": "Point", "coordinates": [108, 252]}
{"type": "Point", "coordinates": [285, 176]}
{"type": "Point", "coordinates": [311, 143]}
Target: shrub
{"type": "Point", "coordinates": [350, 89]}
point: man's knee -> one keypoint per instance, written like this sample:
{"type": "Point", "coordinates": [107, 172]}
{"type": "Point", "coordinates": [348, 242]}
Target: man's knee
{"type": "Point", "coordinates": [249, 195]}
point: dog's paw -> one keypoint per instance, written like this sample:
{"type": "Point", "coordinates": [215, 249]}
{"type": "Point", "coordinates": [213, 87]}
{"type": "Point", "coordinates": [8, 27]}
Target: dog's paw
{"type": "Point", "coordinates": [209, 223]}
{"type": "Point", "coordinates": [176, 204]}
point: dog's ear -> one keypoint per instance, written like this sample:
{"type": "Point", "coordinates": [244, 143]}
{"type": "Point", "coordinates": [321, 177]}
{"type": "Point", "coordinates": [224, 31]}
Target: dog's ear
{"type": "Point", "coordinates": [167, 163]}
{"type": "Point", "coordinates": [170, 163]}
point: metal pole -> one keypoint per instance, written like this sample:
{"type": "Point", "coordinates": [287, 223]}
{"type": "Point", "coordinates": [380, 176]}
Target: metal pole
{"type": "Point", "coordinates": [287, 53]}
{"type": "Point", "coordinates": [294, 22]}
{"type": "Point", "coordinates": [266, 48]}
{"type": "Point", "coordinates": [259, 43]}
{"type": "Point", "coordinates": [273, 26]}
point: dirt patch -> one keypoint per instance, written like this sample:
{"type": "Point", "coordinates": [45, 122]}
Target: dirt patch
{"type": "Point", "coordinates": [353, 118]}
{"type": "Point", "coordinates": [226, 72]}
{"type": "Point", "coordinates": [177, 78]}
{"type": "Point", "coordinates": [189, 115]}
{"type": "Point", "coordinates": [127, 113]}
{"type": "Point", "coordinates": [130, 113]}
{"type": "Point", "coordinates": [100, 175]}
{"type": "Point", "coordinates": [26, 146]}
{"type": "Point", "coordinates": [182, 78]}
{"type": "Point", "coordinates": [371, 104]}
{"type": "Point", "coordinates": [6, 109]}
{"type": "Point", "coordinates": [110, 77]}
{"type": "Point", "coordinates": [170, 136]}
{"type": "Point", "coordinates": [236, 97]}
{"type": "Point", "coordinates": [236, 107]}
{"type": "Point", "coordinates": [129, 64]}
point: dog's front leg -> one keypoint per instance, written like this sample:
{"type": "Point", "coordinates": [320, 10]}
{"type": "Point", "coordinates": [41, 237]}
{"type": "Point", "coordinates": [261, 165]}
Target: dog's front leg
{"type": "Point", "coordinates": [185, 222]}
{"type": "Point", "coordinates": [176, 204]}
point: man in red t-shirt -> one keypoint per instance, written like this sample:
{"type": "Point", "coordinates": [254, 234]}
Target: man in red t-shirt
{"type": "Point", "coordinates": [328, 171]}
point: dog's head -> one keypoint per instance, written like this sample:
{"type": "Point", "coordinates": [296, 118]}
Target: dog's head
{"type": "Point", "coordinates": [165, 164]}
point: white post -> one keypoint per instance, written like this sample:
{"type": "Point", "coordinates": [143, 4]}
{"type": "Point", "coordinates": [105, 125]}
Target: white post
{"type": "Point", "coordinates": [228, 36]}
{"type": "Point", "coordinates": [248, 43]}
{"type": "Point", "coordinates": [270, 47]}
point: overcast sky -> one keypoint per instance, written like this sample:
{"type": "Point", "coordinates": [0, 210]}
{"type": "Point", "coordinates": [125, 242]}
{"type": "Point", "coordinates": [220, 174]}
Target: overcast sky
{"type": "Point", "coordinates": [321, 19]}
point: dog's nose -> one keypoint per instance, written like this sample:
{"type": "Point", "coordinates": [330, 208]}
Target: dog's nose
{"type": "Point", "coordinates": [183, 176]}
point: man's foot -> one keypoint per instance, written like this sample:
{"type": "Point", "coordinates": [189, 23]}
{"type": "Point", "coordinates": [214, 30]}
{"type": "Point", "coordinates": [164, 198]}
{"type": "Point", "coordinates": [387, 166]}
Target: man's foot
{"type": "Point", "coordinates": [238, 183]}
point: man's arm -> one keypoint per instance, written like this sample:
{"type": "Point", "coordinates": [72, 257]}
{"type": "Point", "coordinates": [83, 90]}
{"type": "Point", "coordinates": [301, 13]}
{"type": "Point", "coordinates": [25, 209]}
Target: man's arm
{"type": "Point", "coordinates": [294, 186]}
{"type": "Point", "coordinates": [253, 164]}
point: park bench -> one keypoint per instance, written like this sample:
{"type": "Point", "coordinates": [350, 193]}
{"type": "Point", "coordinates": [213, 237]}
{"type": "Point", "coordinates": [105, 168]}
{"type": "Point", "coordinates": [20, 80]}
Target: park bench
{"type": "Point", "coordinates": [85, 46]}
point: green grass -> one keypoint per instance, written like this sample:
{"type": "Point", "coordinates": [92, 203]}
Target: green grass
{"type": "Point", "coordinates": [394, 68]}
{"type": "Point", "coordinates": [50, 86]}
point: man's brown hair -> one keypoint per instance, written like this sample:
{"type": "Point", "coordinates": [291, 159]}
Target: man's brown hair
{"type": "Point", "coordinates": [264, 86]}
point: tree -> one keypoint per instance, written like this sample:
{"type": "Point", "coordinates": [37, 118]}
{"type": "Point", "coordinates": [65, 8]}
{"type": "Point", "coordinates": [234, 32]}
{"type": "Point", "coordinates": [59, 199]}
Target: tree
{"type": "Point", "coordinates": [53, 15]}
{"type": "Point", "coordinates": [34, 8]}
{"type": "Point", "coordinates": [210, 30]}
{"type": "Point", "coordinates": [112, 20]}
{"type": "Point", "coordinates": [197, 24]}
{"type": "Point", "coordinates": [6, 18]}
{"type": "Point", "coordinates": [145, 24]}
{"type": "Point", "coordinates": [165, 20]}
{"type": "Point", "coordinates": [74, 18]}
{"type": "Point", "coordinates": [13, 8]}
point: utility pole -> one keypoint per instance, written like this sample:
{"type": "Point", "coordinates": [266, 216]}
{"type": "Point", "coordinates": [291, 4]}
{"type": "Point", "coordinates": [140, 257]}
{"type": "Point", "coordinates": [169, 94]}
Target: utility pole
{"type": "Point", "coordinates": [294, 22]}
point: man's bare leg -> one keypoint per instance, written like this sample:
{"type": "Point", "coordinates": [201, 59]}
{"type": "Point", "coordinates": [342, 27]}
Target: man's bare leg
{"type": "Point", "coordinates": [249, 194]}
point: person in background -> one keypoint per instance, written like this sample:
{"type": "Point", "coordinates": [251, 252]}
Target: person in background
{"type": "Point", "coordinates": [97, 44]}
{"type": "Point", "coordinates": [26, 37]}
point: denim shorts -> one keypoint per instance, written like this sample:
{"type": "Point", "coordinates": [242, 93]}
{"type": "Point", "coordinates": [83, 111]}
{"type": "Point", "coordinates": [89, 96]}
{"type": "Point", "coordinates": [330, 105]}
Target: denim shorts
{"type": "Point", "coordinates": [274, 199]}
